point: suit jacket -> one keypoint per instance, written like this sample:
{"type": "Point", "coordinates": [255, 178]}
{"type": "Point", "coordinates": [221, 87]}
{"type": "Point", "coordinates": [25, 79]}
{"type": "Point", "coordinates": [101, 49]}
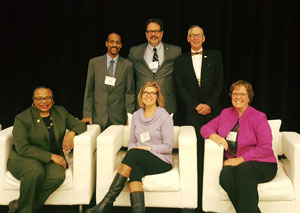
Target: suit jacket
{"type": "Point", "coordinates": [211, 82]}
{"type": "Point", "coordinates": [164, 75]}
{"type": "Point", "coordinates": [31, 138]}
{"type": "Point", "coordinates": [255, 135]}
{"type": "Point", "coordinates": [101, 101]}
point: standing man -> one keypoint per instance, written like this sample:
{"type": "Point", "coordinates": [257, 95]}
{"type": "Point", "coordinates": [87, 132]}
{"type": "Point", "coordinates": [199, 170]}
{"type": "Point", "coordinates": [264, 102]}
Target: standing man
{"type": "Point", "coordinates": [109, 91]}
{"type": "Point", "coordinates": [199, 80]}
{"type": "Point", "coordinates": [153, 61]}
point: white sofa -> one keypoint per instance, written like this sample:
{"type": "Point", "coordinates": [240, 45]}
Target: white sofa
{"type": "Point", "coordinates": [174, 189]}
{"type": "Point", "coordinates": [79, 184]}
{"type": "Point", "coordinates": [282, 194]}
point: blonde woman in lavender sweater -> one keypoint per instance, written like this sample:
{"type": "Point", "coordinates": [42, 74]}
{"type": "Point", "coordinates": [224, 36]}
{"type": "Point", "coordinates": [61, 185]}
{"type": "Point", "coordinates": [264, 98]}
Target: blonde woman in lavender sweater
{"type": "Point", "coordinates": [149, 149]}
{"type": "Point", "coordinates": [246, 136]}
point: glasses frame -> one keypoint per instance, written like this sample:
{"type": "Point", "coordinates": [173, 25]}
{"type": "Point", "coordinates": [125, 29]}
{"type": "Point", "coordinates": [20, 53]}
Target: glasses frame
{"type": "Point", "coordinates": [41, 99]}
{"type": "Point", "coordinates": [145, 93]}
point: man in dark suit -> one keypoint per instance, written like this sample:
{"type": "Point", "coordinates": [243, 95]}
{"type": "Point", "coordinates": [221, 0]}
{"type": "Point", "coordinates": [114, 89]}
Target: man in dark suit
{"type": "Point", "coordinates": [199, 80]}
{"type": "Point", "coordinates": [153, 61]}
{"type": "Point", "coordinates": [109, 91]}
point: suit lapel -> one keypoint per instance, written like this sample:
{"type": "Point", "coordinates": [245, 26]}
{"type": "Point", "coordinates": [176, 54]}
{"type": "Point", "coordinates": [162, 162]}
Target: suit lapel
{"type": "Point", "coordinates": [190, 69]}
{"type": "Point", "coordinates": [141, 55]}
{"type": "Point", "coordinates": [205, 66]}
{"type": "Point", "coordinates": [103, 70]}
{"type": "Point", "coordinates": [56, 125]}
{"type": "Point", "coordinates": [39, 123]}
{"type": "Point", "coordinates": [119, 67]}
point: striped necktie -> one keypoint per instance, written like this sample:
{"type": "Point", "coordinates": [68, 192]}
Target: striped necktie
{"type": "Point", "coordinates": [110, 70]}
{"type": "Point", "coordinates": [155, 56]}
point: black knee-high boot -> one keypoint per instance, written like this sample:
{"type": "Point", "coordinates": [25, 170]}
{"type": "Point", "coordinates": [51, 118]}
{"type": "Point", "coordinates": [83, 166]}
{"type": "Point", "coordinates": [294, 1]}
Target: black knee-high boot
{"type": "Point", "coordinates": [106, 204]}
{"type": "Point", "coordinates": [137, 202]}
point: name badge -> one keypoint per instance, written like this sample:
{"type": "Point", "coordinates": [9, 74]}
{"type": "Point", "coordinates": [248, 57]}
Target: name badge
{"type": "Point", "coordinates": [231, 136]}
{"type": "Point", "coordinates": [153, 66]}
{"type": "Point", "coordinates": [145, 137]}
{"type": "Point", "coordinates": [111, 81]}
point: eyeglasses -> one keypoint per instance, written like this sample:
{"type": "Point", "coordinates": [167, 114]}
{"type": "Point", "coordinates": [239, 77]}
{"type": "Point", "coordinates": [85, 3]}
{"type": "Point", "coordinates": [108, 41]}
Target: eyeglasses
{"type": "Point", "coordinates": [195, 35]}
{"type": "Point", "coordinates": [153, 31]}
{"type": "Point", "coordinates": [114, 42]}
{"type": "Point", "coordinates": [40, 99]}
{"type": "Point", "coordinates": [145, 93]}
{"type": "Point", "coordinates": [242, 95]}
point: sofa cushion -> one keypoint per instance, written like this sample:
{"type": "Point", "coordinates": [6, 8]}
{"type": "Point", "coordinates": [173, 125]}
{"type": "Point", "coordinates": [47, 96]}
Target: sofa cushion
{"type": "Point", "coordinates": [164, 182]}
{"type": "Point", "coordinates": [278, 189]}
{"type": "Point", "coordinates": [11, 183]}
{"type": "Point", "coordinates": [275, 127]}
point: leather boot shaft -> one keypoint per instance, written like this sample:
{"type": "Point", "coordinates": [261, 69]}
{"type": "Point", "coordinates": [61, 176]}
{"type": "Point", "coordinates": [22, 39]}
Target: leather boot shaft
{"type": "Point", "coordinates": [137, 202]}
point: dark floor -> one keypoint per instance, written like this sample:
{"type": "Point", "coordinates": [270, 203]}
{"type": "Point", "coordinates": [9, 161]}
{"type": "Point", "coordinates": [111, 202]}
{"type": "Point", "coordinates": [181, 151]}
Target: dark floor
{"type": "Point", "coordinates": [75, 209]}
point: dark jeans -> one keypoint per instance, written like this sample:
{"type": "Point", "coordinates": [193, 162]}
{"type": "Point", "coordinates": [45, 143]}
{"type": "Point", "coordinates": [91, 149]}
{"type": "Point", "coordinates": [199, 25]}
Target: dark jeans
{"type": "Point", "coordinates": [143, 162]}
{"type": "Point", "coordinates": [240, 182]}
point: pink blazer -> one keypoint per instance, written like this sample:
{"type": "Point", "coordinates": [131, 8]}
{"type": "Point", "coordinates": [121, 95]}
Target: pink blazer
{"type": "Point", "coordinates": [254, 138]}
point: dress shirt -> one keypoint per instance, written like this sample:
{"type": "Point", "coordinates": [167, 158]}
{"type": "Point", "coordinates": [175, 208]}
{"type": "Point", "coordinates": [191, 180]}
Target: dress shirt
{"type": "Point", "coordinates": [114, 65]}
{"type": "Point", "coordinates": [148, 56]}
{"type": "Point", "coordinates": [197, 64]}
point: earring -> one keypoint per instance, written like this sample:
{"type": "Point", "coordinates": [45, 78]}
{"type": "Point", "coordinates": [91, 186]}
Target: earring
{"type": "Point", "coordinates": [33, 104]}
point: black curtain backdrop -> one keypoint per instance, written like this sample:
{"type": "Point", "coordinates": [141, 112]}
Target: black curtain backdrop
{"type": "Point", "coordinates": [49, 42]}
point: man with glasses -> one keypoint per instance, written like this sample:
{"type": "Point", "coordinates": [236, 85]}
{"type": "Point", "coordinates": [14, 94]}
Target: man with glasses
{"type": "Point", "coordinates": [153, 61]}
{"type": "Point", "coordinates": [110, 89]}
{"type": "Point", "coordinates": [199, 80]}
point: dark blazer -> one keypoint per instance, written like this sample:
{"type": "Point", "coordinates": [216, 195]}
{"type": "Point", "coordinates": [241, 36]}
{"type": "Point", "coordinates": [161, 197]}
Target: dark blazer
{"type": "Point", "coordinates": [212, 81]}
{"type": "Point", "coordinates": [164, 75]}
{"type": "Point", "coordinates": [31, 138]}
{"type": "Point", "coordinates": [101, 101]}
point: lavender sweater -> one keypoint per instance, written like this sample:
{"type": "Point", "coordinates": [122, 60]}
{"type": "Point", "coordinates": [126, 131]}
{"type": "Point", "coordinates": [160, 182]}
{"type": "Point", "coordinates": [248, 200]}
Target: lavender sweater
{"type": "Point", "coordinates": [254, 138]}
{"type": "Point", "coordinates": [160, 128]}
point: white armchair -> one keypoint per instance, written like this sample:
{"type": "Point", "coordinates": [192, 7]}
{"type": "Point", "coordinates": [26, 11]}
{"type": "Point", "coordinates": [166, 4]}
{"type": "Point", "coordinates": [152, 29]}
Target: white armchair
{"type": "Point", "coordinates": [282, 194]}
{"type": "Point", "coordinates": [79, 184]}
{"type": "Point", "coordinates": [174, 189]}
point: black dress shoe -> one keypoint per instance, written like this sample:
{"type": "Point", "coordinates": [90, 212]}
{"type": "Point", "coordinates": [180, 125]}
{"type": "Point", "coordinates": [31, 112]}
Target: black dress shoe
{"type": "Point", "coordinates": [13, 206]}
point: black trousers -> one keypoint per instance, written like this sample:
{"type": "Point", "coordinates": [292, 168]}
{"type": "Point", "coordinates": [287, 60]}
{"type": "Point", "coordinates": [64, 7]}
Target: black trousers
{"type": "Point", "coordinates": [142, 163]}
{"type": "Point", "coordinates": [197, 123]}
{"type": "Point", "coordinates": [240, 182]}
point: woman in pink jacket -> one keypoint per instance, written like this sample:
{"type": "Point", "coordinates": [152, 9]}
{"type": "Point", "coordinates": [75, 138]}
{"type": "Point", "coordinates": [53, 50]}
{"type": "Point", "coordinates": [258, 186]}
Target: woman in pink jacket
{"type": "Point", "coordinates": [246, 136]}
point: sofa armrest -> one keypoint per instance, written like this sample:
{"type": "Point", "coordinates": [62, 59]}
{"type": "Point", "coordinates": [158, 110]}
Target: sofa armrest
{"type": "Point", "coordinates": [187, 148]}
{"type": "Point", "coordinates": [213, 162]}
{"type": "Point", "coordinates": [291, 149]}
{"type": "Point", "coordinates": [84, 164]}
{"type": "Point", "coordinates": [5, 147]}
{"type": "Point", "coordinates": [109, 143]}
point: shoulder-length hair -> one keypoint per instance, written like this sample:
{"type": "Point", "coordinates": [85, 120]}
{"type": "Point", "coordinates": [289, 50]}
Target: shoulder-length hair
{"type": "Point", "coordinates": [159, 98]}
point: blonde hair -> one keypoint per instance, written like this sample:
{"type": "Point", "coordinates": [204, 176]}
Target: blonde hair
{"type": "Point", "coordinates": [159, 99]}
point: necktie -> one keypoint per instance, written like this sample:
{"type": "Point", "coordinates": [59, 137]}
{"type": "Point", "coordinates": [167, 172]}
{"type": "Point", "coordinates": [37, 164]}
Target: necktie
{"type": "Point", "coordinates": [110, 70]}
{"type": "Point", "coordinates": [196, 53]}
{"type": "Point", "coordinates": [155, 56]}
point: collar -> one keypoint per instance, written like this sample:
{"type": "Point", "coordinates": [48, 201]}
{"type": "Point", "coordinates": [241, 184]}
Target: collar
{"type": "Point", "coordinates": [197, 51]}
{"type": "Point", "coordinates": [158, 47]}
{"type": "Point", "coordinates": [110, 58]}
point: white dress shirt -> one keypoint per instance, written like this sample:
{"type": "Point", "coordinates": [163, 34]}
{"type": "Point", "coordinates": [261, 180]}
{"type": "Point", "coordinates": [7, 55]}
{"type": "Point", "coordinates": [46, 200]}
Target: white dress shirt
{"type": "Point", "coordinates": [197, 64]}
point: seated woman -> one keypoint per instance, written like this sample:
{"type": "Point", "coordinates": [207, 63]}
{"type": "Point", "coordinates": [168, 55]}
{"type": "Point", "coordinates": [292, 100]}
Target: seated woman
{"type": "Point", "coordinates": [149, 149]}
{"type": "Point", "coordinates": [37, 158]}
{"type": "Point", "coordinates": [246, 136]}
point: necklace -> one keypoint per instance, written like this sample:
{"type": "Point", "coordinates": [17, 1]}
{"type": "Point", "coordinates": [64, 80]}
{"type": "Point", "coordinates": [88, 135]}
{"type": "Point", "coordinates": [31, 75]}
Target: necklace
{"type": "Point", "coordinates": [48, 122]}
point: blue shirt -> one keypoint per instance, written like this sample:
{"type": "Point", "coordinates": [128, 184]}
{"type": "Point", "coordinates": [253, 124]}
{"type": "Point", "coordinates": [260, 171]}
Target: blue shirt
{"type": "Point", "coordinates": [114, 65]}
